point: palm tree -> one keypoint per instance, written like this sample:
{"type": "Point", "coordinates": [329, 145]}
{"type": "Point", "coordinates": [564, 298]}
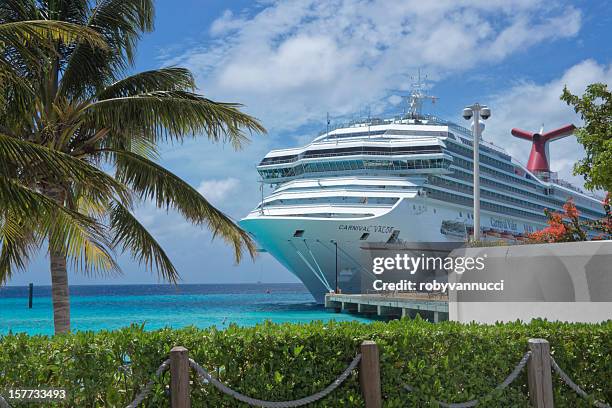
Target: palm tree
{"type": "Point", "coordinates": [87, 116]}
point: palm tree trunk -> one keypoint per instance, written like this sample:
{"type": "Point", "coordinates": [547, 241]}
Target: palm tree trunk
{"type": "Point", "coordinates": [59, 291]}
{"type": "Point", "coordinates": [59, 275]}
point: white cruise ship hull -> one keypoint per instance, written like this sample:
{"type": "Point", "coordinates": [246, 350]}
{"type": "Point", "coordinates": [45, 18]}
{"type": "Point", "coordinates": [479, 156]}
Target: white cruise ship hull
{"type": "Point", "coordinates": [312, 257]}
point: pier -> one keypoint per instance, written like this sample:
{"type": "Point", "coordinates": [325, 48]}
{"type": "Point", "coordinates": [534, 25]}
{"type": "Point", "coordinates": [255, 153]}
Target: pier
{"type": "Point", "coordinates": [432, 307]}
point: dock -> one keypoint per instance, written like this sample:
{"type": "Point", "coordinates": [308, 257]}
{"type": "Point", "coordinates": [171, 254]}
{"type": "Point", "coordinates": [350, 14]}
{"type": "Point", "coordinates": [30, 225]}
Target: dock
{"type": "Point", "coordinates": [433, 307]}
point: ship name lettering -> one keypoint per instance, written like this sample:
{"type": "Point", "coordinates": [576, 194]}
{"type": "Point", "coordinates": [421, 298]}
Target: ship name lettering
{"type": "Point", "coordinates": [360, 228]}
{"type": "Point", "coordinates": [384, 229]}
{"type": "Point", "coordinates": [503, 224]}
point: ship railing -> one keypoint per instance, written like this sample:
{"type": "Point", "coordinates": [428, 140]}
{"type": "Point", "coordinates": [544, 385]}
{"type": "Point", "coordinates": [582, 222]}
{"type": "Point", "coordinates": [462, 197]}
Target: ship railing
{"type": "Point", "coordinates": [398, 119]}
{"type": "Point", "coordinates": [553, 177]}
{"type": "Point", "coordinates": [348, 154]}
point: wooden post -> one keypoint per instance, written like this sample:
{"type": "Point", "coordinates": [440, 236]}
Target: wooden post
{"type": "Point", "coordinates": [369, 375]}
{"type": "Point", "coordinates": [179, 378]}
{"type": "Point", "coordinates": [539, 374]}
{"type": "Point", "coordinates": [30, 295]}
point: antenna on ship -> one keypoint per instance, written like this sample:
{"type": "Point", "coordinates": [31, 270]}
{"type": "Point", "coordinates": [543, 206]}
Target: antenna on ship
{"type": "Point", "coordinates": [417, 95]}
{"type": "Point", "coordinates": [369, 120]}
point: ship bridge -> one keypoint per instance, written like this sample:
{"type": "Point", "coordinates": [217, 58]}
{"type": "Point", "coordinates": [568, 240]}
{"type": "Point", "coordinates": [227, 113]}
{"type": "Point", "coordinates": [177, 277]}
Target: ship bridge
{"type": "Point", "coordinates": [414, 151]}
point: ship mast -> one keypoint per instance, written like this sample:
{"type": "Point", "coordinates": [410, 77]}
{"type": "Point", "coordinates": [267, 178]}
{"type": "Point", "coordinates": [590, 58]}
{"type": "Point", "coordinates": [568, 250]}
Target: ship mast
{"type": "Point", "coordinates": [418, 95]}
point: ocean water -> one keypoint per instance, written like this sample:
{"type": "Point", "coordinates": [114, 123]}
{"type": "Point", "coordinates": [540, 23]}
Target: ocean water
{"type": "Point", "coordinates": [97, 307]}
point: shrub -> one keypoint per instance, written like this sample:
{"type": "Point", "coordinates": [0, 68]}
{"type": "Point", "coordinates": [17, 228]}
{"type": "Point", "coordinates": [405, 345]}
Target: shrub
{"type": "Point", "coordinates": [446, 361]}
{"type": "Point", "coordinates": [567, 226]}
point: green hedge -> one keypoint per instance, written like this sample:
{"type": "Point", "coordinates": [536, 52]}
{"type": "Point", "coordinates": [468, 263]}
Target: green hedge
{"type": "Point", "coordinates": [446, 361]}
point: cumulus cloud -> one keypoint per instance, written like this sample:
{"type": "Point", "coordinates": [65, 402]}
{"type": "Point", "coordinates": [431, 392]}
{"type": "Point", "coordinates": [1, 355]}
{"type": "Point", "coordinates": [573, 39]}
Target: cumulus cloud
{"type": "Point", "coordinates": [216, 191]}
{"type": "Point", "coordinates": [292, 61]}
{"type": "Point", "coordinates": [530, 106]}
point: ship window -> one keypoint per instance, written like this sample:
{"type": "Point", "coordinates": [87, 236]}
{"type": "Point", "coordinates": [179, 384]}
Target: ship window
{"type": "Point", "coordinates": [298, 233]}
{"type": "Point", "coordinates": [393, 238]}
{"type": "Point", "coordinates": [364, 236]}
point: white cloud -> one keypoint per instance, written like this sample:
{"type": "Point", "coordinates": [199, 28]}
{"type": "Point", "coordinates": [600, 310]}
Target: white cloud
{"type": "Point", "coordinates": [226, 24]}
{"type": "Point", "coordinates": [292, 61]}
{"type": "Point", "coordinates": [528, 105]}
{"type": "Point", "coordinates": [216, 191]}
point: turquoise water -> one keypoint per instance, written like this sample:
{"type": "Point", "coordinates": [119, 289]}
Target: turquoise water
{"type": "Point", "coordinates": [111, 307]}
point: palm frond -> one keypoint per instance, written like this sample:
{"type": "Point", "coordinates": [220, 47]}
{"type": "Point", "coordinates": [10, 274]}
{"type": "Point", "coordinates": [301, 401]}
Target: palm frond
{"type": "Point", "coordinates": [151, 181]}
{"type": "Point", "coordinates": [19, 10]}
{"type": "Point", "coordinates": [121, 23]}
{"type": "Point", "coordinates": [22, 35]}
{"type": "Point", "coordinates": [16, 92]}
{"type": "Point", "coordinates": [164, 79]}
{"type": "Point", "coordinates": [174, 114]}
{"type": "Point", "coordinates": [80, 237]}
{"type": "Point", "coordinates": [132, 236]}
{"type": "Point", "coordinates": [35, 159]}
{"type": "Point", "coordinates": [17, 243]}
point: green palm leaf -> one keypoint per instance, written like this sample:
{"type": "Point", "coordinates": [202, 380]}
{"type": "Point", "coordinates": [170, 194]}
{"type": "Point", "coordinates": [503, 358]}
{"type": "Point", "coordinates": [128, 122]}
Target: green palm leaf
{"type": "Point", "coordinates": [33, 38]}
{"type": "Point", "coordinates": [164, 79]}
{"type": "Point", "coordinates": [152, 182]}
{"type": "Point", "coordinates": [131, 235]}
{"type": "Point", "coordinates": [80, 237]}
{"type": "Point", "coordinates": [120, 22]}
{"type": "Point", "coordinates": [17, 244]}
{"type": "Point", "coordinates": [174, 114]}
{"type": "Point", "coordinates": [35, 159]}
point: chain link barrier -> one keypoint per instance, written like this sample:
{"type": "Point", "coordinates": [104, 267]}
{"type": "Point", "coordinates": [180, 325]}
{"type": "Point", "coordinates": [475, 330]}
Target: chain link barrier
{"type": "Point", "coordinates": [567, 380]}
{"type": "Point", "coordinates": [3, 403]}
{"type": "Point", "coordinates": [504, 384]}
{"type": "Point", "coordinates": [205, 378]}
{"type": "Point", "coordinates": [144, 393]}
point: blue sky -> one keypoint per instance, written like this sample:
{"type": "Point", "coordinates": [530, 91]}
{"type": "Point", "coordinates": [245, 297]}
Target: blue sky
{"type": "Point", "coordinates": [290, 62]}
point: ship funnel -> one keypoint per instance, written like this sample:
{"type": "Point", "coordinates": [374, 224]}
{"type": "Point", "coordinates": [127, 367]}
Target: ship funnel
{"type": "Point", "coordinates": [538, 158]}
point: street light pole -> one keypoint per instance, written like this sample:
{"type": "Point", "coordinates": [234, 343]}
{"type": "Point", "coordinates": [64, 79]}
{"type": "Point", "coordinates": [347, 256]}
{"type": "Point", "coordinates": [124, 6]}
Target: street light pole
{"type": "Point", "coordinates": [476, 111]}
{"type": "Point", "coordinates": [476, 147]}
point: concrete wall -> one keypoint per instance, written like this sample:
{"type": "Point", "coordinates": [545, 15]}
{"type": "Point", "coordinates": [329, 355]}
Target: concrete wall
{"type": "Point", "coordinates": [565, 282]}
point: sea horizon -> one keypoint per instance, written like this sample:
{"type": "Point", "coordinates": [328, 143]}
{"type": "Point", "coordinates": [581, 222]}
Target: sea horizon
{"type": "Point", "coordinates": [113, 306]}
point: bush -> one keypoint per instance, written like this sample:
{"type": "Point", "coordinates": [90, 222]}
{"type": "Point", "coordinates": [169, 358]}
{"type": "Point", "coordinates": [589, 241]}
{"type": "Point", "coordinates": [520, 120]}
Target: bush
{"type": "Point", "coordinates": [446, 361]}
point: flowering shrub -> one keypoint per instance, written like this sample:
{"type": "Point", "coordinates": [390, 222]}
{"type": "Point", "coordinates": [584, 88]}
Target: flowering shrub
{"type": "Point", "coordinates": [567, 227]}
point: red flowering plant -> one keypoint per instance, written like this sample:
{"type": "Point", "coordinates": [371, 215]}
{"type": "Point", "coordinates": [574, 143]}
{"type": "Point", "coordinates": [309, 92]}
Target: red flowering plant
{"type": "Point", "coordinates": [567, 227]}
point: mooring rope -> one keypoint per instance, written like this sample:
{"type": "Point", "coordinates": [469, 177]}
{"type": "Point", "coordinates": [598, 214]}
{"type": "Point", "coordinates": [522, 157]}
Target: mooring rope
{"type": "Point", "coordinates": [567, 380]}
{"type": "Point", "coordinates": [205, 377]}
{"type": "Point", "coordinates": [144, 393]}
{"type": "Point", "coordinates": [472, 403]}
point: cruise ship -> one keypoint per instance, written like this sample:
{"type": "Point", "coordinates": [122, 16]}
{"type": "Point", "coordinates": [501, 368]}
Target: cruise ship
{"type": "Point", "coordinates": [402, 179]}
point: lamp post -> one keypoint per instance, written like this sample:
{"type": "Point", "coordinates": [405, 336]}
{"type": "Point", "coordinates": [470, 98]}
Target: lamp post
{"type": "Point", "coordinates": [476, 111]}
{"type": "Point", "coordinates": [336, 244]}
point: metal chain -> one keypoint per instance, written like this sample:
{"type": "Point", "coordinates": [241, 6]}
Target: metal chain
{"type": "Point", "coordinates": [573, 385]}
{"type": "Point", "coordinates": [3, 403]}
{"type": "Point", "coordinates": [205, 377]}
{"type": "Point", "coordinates": [472, 403]}
{"type": "Point", "coordinates": [147, 388]}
